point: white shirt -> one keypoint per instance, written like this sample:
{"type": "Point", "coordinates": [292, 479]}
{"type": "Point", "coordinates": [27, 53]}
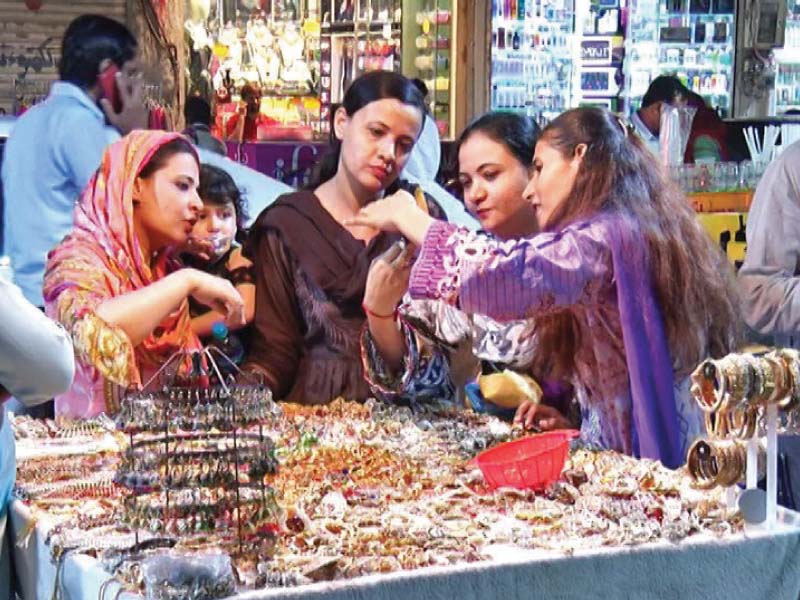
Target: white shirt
{"type": "Point", "coordinates": [770, 276]}
{"type": "Point", "coordinates": [648, 137]}
{"type": "Point", "coordinates": [423, 164]}
{"type": "Point", "coordinates": [36, 363]}
{"type": "Point", "coordinates": [36, 358]}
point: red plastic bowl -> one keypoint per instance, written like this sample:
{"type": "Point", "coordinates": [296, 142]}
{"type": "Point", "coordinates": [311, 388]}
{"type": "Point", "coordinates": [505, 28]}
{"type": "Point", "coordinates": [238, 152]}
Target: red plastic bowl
{"type": "Point", "coordinates": [532, 462]}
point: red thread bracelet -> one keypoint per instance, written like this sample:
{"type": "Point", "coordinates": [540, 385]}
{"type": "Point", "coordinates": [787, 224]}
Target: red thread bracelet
{"type": "Point", "coordinates": [379, 316]}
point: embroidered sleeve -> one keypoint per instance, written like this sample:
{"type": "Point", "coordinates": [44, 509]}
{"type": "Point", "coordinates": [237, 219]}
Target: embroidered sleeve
{"type": "Point", "coordinates": [437, 321]}
{"type": "Point", "coordinates": [424, 376]}
{"type": "Point", "coordinates": [516, 279]}
{"type": "Point", "coordinates": [105, 347]}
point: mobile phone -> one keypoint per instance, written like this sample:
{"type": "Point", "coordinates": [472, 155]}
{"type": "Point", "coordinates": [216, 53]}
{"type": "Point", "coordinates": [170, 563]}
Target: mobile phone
{"type": "Point", "coordinates": [108, 86]}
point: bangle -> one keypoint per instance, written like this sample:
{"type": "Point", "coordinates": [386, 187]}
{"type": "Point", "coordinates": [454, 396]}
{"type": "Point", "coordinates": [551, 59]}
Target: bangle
{"type": "Point", "coordinates": [392, 316]}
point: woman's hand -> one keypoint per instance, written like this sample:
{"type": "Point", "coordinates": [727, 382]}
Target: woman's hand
{"type": "Point", "coordinates": [219, 295]}
{"type": "Point", "coordinates": [395, 213]}
{"type": "Point", "coordinates": [546, 418]}
{"type": "Point", "coordinates": [382, 214]}
{"type": "Point", "coordinates": [387, 280]}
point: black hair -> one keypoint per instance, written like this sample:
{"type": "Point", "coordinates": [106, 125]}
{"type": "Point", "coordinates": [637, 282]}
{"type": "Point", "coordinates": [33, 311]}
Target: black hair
{"type": "Point", "coordinates": [217, 187]}
{"type": "Point", "coordinates": [369, 87]}
{"type": "Point", "coordinates": [88, 41]}
{"type": "Point", "coordinates": [518, 133]}
{"type": "Point", "coordinates": [423, 89]}
{"type": "Point", "coordinates": [664, 88]}
{"type": "Point", "coordinates": [160, 157]}
{"type": "Point", "coordinates": [249, 90]}
{"type": "Point", "coordinates": [197, 110]}
{"type": "Point", "coordinates": [696, 100]}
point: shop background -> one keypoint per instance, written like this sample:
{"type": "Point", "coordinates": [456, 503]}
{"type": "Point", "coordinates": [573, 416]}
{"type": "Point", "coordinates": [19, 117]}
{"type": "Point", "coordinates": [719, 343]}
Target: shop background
{"type": "Point", "coordinates": [30, 46]}
{"type": "Point", "coordinates": [30, 43]}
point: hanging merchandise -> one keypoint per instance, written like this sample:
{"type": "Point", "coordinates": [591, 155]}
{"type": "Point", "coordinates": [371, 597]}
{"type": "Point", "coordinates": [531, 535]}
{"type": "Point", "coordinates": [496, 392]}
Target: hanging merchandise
{"type": "Point", "coordinates": [597, 80]}
{"type": "Point", "coordinates": [691, 39]}
{"type": "Point", "coordinates": [154, 12]}
{"type": "Point", "coordinates": [198, 454]}
{"type": "Point", "coordinates": [269, 48]}
{"type": "Point", "coordinates": [532, 57]}
{"type": "Point", "coordinates": [787, 65]}
{"type": "Point", "coordinates": [432, 58]}
{"type": "Point", "coordinates": [301, 56]}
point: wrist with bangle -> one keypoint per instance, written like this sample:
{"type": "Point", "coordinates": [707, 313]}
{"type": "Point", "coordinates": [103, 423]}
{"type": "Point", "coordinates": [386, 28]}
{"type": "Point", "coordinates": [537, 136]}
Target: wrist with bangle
{"type": "Point", "coordinates": [371, 313]}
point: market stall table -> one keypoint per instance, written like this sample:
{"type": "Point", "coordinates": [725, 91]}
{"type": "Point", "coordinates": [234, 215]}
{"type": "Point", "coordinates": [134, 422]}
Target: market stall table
{"type": "Point", "coordinates": [383, 489]}
{"type": "Point", "coordinates": [754, 565]}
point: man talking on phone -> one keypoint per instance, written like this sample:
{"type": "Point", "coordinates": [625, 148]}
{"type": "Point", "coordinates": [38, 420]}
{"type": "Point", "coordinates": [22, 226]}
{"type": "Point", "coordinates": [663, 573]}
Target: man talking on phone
{"type": "Point", "coordinates": [56, 146]}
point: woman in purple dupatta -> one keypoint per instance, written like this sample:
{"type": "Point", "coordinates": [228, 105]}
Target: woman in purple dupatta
{"type": "Point", "coordinates": [627, 291]}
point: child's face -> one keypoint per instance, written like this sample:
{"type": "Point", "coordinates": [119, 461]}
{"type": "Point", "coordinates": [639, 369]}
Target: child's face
{"type": "Point", "coordinates": [215, 229]}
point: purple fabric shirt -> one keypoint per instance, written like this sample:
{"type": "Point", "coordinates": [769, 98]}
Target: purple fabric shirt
{"type": "Point", "coordinates": [573, 269]}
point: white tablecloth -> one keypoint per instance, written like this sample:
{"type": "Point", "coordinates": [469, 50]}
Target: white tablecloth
{"type": "Point", "coordinates": [750, 566]}
{"type": "Point", "coordinates": [80, 576]}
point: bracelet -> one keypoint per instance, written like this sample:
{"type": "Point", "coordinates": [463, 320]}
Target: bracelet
{"type": "Point", "coordinates": [392, 316]}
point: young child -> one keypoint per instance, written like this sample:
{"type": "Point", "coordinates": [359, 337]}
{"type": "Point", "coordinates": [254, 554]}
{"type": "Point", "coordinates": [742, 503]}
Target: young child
{"type": "Point", "coordinates": [213, 247]}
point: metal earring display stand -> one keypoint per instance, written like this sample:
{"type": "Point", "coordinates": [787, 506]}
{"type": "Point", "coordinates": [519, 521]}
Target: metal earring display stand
{"type": "Point", "coordinates": [198, 453]}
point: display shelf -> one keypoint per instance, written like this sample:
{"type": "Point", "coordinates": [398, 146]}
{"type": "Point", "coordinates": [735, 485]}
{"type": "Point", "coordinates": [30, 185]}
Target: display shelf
{"type": "Point", "coordinates": [710, 35]}
{"type": "Point", "coordinates": [532, 58]}
{"type": "Point", "coordinates": [309, 53]}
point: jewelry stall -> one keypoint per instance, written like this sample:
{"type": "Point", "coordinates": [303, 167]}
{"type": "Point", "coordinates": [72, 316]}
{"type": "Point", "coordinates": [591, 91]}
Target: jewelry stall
{"type": "Point", "coordinates": [205, 487]}
{"type": "Point", "coordinates": [380, 501]}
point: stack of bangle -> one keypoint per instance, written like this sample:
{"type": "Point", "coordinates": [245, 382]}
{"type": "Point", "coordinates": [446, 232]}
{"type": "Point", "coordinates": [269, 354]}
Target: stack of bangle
{"type": "Point", "coordinates": [716, 463]}
{"type": "Point", "coordinates": [733, 393]}
{"type": "Point", "coordinates": [790, 359]}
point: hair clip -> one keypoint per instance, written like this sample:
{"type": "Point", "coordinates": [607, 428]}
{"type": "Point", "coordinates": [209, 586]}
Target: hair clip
{"type": "Point", "coordinates": [623, 126]}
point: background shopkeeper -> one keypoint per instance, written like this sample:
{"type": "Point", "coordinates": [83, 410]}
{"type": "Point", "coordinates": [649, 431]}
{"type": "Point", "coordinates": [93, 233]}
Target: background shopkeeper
{"type": "Point", "coordinates": [243, 126]}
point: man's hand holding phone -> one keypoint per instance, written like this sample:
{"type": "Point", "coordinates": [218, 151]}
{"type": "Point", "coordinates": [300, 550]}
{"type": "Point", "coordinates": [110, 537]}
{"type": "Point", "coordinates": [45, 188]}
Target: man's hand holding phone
{"type": "Point", "coordinates": [123, 100]}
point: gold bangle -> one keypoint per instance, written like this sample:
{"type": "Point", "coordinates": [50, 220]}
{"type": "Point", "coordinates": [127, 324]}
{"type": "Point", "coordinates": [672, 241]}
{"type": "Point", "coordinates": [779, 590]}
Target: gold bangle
{"type": "Point", "coordinates": [717, 424]}
{"type": "Point", "coordinates": [763, 382]}
{"type": "Point", "coordinates": [708, 386]}
{"type": "Point", "coordinates": [741, 377]}
{"type": "Point", "coordinates": [781, 378]}
{"type": "Point", "coordinates": [791, 358]}
{"type": "Point", "coordinates": [699, 453]}
{"type": "Point", "coordinates": [742, 422]}
{"type": "Point", "coordinates": [716, 463]}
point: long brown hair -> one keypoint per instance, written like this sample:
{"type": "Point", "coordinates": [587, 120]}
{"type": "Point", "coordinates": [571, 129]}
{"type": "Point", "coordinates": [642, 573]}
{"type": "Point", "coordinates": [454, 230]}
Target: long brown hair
{"type": "Point", "coordinates": [693, 281]}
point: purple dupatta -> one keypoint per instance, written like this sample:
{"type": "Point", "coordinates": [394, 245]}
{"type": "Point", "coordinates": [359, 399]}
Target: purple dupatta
{"type": "Point", "coordinates": [650, 370]}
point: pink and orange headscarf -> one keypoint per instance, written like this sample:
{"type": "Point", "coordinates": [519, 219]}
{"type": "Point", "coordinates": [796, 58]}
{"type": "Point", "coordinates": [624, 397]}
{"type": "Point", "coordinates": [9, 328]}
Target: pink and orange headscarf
{"type": "Point", "coordinates": [100, 259]}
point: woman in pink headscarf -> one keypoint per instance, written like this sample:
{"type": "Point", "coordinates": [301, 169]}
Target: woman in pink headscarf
{"type": "Point", "coordinates": [112, 281]}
